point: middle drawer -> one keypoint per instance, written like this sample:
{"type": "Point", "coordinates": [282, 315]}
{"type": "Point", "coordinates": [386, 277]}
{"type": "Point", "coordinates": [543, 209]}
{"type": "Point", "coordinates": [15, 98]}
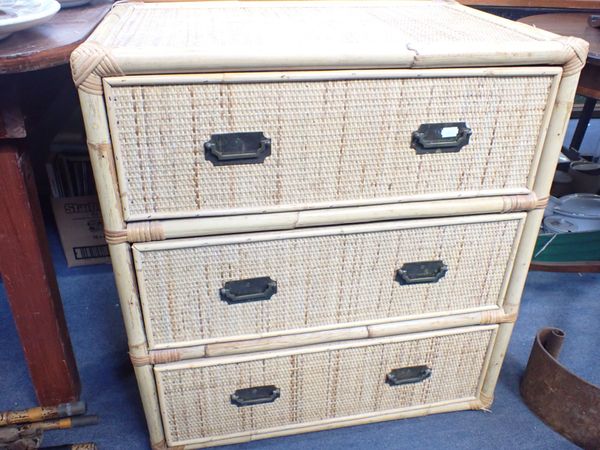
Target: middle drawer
{"type": "Point", "coordinates": [246, 286]}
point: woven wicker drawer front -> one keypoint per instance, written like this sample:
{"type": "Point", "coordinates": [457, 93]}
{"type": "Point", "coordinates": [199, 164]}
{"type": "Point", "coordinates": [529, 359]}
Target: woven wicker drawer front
{"type": "Point", "coordinates": [337, 381]}
{"type": "Point", "coordinates": [323, 280]}
{"type": "Point", "coordinates": [333, 142]}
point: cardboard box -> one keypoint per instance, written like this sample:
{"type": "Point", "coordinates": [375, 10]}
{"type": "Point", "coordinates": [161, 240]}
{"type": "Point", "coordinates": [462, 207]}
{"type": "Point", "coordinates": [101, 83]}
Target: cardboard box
{"type": "Point", "coordinates": [75, 205]}
{"type": "Point", "coordinates": [80, 229]}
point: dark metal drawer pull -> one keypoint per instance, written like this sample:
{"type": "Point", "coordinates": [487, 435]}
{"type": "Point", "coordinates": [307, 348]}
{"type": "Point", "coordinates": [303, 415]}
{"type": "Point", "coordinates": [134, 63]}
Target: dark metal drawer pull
{"type": "Point", "coordinates": [440, 137]}
{"type": "Point", "coordinates": [255, 396]}
{"type": "Point", "coordinates": [407, 375]}
{"type": "Point", "coordinates": [250, 290]}
{"type": "Point", "coordinates": [237, 148]}
{"type": "Point", "coordinates": [421, 272]}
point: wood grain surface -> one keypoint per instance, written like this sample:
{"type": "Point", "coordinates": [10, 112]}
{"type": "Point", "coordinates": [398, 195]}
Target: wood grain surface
{"type": "Point", "coordinates": [30, 283]}
{"type": "Point", "coordinates": [570, 24]}
{"type": "Point", "coordinates": [575, 24]}
{"type": "Point", "coordinates": [51, 43]}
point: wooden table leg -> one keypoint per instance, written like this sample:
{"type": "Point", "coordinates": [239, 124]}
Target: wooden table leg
{"type": "Point", "coordinates": [30, 282]}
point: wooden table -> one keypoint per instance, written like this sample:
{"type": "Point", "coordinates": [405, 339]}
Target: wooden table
{"type": "Point", "coordinates": [575, 24]}
{"type": "Point", "coordinates": [33, 96]}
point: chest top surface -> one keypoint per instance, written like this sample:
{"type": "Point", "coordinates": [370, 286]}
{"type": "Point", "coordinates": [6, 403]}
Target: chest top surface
{"type": "Point", "coordinates": [221, 36]}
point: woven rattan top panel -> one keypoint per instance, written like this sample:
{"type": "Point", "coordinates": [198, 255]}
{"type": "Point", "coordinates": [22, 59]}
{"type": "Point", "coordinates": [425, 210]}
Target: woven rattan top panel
{"type": "Point", "coordinates": [333, 142]}
{"type": "Point", "coordinates": [206, 36]}
{"type": "Point", "coordinates": [320, 385]}
{"type": "Point", "coordinates": [322, 281]}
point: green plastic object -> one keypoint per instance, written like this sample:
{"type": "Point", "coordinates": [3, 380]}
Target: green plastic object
{"type": "Point", "coordinates": [567, 247]}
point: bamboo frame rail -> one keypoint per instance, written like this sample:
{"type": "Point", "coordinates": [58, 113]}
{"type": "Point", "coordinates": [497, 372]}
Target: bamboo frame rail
{"type": "Point", "coordinates": [472, 403]}
{"type": "Point", "coordinates": [98, 136]}
{"type": "Point", "coordinates": [552, 147]}
{"type": "Point", "coordinates": [493, 316]}
{"type": "Point", "coordinates": [208, 226]}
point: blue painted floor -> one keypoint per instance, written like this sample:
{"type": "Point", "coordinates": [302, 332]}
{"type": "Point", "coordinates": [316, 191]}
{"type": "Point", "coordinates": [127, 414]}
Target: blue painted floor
{"type": "Point", "coordinates": [569, 301]}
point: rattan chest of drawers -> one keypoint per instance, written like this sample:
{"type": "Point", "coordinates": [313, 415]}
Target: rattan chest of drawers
{"type": "Point", "coordinates": [319, 214]}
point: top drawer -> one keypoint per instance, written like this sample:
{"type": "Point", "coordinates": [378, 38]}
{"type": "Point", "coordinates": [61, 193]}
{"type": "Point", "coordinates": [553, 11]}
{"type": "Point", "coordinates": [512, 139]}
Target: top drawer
{"type": "Point", "coordinates": [335, 138]}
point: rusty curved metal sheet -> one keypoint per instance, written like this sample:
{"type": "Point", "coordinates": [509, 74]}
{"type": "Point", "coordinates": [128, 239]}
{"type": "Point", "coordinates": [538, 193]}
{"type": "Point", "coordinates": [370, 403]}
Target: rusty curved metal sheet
{"type": "Point", "coordinates": [562, 400]}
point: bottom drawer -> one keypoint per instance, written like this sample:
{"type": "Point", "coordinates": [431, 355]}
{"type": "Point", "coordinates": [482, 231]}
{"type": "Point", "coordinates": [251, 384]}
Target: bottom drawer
{"type": "Point", "coordinates": [212, 399]}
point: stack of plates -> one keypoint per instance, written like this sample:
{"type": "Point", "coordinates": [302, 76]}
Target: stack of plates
{"type": "Point", "coordinates": [573, 213]}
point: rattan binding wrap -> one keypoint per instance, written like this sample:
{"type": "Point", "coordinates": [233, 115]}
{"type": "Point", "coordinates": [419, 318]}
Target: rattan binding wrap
{"type": "Point", "coordinates": [89, 63]}
{"type": "Point", "coordinates": [523, 203]}
{"type": "Point", "coordinates": [321, 280]}
{"type": "Point", "coordinates": [165, 356]}
{"type": "Point", "coordinates": [332, 141]}
{"type": "Point", "coordinates": [319, 385]}
{"type": "Point", "coordinates": [579, 50]}
{"type": "Point", "coordinates": [136, 232]}
{"type": "Point", "coordinates": [487, 317]}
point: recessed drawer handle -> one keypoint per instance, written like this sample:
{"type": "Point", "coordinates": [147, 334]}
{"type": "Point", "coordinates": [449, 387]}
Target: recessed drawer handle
{"type": "Point", "coordinates": [237, 148]}
{"type": "Point", "coordinates": [249, 290]}
{"type": "Point", "coordinates": [407, 375]}
{"type": "Point", "coordinates": [255, 396]}
{"type": "Point", "coordinates": [440, 137]}
{"type": "Point", "coordinates": [421, 272]}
